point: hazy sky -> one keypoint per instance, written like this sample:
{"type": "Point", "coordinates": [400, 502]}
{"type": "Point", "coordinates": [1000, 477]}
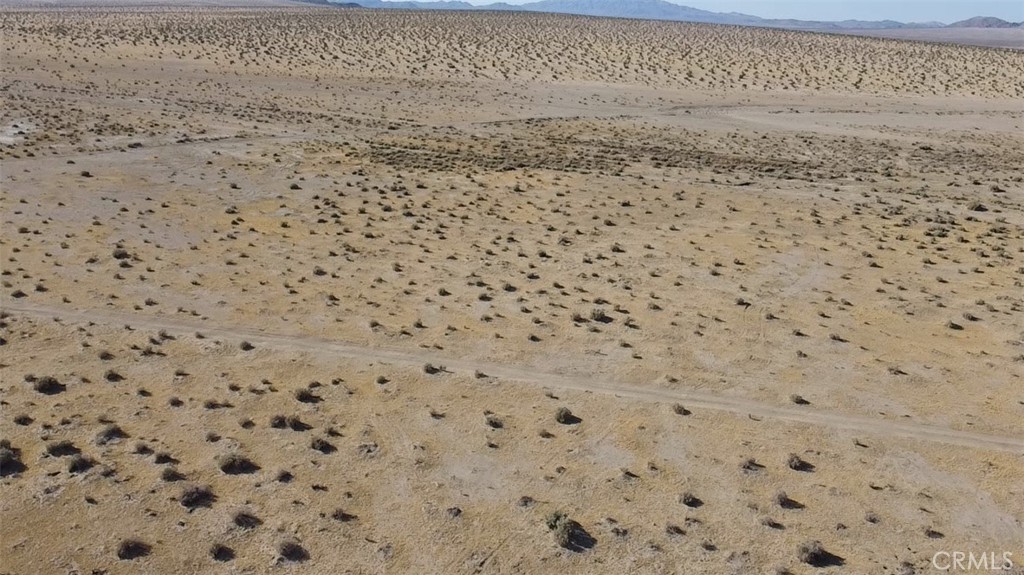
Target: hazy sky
{"type": "Point", "coordinates": [903, 10]}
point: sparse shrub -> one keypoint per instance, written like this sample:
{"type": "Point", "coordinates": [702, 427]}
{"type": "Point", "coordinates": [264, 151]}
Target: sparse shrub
{"type": "Point", "coordinates": [751, 465]}
{"type": "Point", "coordinates": [48, 385]}
{"type": "Point", "coordinates": [197, 496]}
{"type": "Point", "coordinates": [783, 500]}
{"type": "Point", "coordinates": [906, 568]}
{"type": "Point", "coordinates": [132, 549]}
{"type": "Point", "coordinates": [794, 462]}
{"type": "Point", "coordinates": [170, 474]}
{"type": "Point", "coordinates": [10, 459]}
{"type": "Point", "coordinates": [690, 500]}
{"type": "Point", "coordinates": [678, 409]}
{"type": "Point", "coordinates": [246, 520]}
{"type": "Point", "coordinates": [235, 464]}
{"type": "Point", "coordinates": [554, 519]}
{"type": "Point", "coordinates": [565, 417]}
{"type": "Point", "coordinates": [322, 445]}
{"type": "Point", "coordinates": [563, 533]}
{"type": "Point", "coordinates": [110, 434]}
{"type": "Point", "coordinates": [568, 534]}
{"type": "Point", "coordinates": [292, 422]}
{"type": "Point", "coordinates": [798, 399]}
{"type": "Point", "coordinates": [815, 555]}
{"type": "Point", "coordinates": [292, 551]}
{"type": "Point", "coordinates": [304, 395]}
{"type": "Point", "coordinates": [80, 463]}
{"type": "Point", "coordinates": [341, 515]}
{"type": "Point", "coordinates": [62, 448]}
{"type": "Point", "coordinates": [221, 552]}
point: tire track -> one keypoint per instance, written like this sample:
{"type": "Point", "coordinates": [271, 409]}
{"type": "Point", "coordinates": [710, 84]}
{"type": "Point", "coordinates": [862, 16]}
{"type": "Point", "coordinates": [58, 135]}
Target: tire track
{"type": "Point", "coordinates": [697, 399]}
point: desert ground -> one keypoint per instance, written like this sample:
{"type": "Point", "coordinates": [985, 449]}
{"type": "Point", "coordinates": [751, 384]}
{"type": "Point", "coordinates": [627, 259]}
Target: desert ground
{"type": "Point", "coordinates": [1012, 38]}
{"type": "Point", "coordinates": [341, 291]}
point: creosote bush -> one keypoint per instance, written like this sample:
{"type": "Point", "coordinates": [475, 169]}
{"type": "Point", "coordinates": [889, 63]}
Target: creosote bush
{"type": "Point", "coordinates": [292, 551]}
{"type": "Point", "coordinates": [235, 464]}
{"type": "Point", "coordinates": [132, 549]}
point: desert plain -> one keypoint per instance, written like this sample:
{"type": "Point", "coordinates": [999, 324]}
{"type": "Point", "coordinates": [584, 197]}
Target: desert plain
{"type": "Point", "coordinates": [321, 290]}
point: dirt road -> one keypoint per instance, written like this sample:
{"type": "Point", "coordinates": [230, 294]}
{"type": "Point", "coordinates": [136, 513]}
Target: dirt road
{"type": "Point", "coordinates": [692, 399]}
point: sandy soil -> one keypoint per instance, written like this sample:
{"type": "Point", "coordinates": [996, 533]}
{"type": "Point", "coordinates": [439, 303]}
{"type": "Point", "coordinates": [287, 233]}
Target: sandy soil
{"type": "Point", "coordinates": [992, 37]}
{"type": "Point", "coordinates": [306, 290]}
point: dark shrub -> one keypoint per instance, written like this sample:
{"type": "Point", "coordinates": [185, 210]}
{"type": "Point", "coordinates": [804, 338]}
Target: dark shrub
{"type": "Point", "coordinates": [292, 551]}
{"type": "Point", "coordinates": [235, 464]}
{"type": "Point", "coordinates": [132, 549]}
{"type": "Point", "coordinates": [197, 496]}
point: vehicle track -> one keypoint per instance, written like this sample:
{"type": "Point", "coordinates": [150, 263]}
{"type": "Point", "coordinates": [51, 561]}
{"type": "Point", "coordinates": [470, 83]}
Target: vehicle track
{"type": "Point", "coordinates": [692, 399]}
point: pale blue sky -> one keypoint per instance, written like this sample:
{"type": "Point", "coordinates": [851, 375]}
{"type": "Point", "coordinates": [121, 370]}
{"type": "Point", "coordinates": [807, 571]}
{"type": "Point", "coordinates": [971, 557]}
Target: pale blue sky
{"type": "Point", "coordinates": [903, 10]}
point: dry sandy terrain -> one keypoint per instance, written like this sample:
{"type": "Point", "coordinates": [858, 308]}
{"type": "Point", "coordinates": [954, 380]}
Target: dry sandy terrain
{"type": "Point", "coordinates": [991, 37]}
{"type": "Point", "coordinates": [303, 290]}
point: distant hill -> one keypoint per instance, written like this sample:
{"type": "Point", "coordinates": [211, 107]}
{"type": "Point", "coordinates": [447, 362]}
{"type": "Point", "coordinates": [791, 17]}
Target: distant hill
{"type": "Point", "coordinates": [329, 3]}
{"type": "Point", "coordinates": [643, 9]}
{"type": "Point", "coordinates": [662, 10]}
{"type": "Point", "coordinates": [985, 22]}
{"type": "Point", "coordinates": [647, 10]}
{"type": "Point", "coordinates": [419, 5]}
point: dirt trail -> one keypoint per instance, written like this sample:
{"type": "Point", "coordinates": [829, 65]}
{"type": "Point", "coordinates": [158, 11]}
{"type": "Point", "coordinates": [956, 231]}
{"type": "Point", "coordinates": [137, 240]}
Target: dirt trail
{"type": "Point", "coordinates": [692, 399]}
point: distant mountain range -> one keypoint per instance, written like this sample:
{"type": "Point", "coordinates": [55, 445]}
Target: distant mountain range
{"type": "Point", "coordinates": [661, 10]}
{"type": "Point", "coordinates": [985, 22]}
